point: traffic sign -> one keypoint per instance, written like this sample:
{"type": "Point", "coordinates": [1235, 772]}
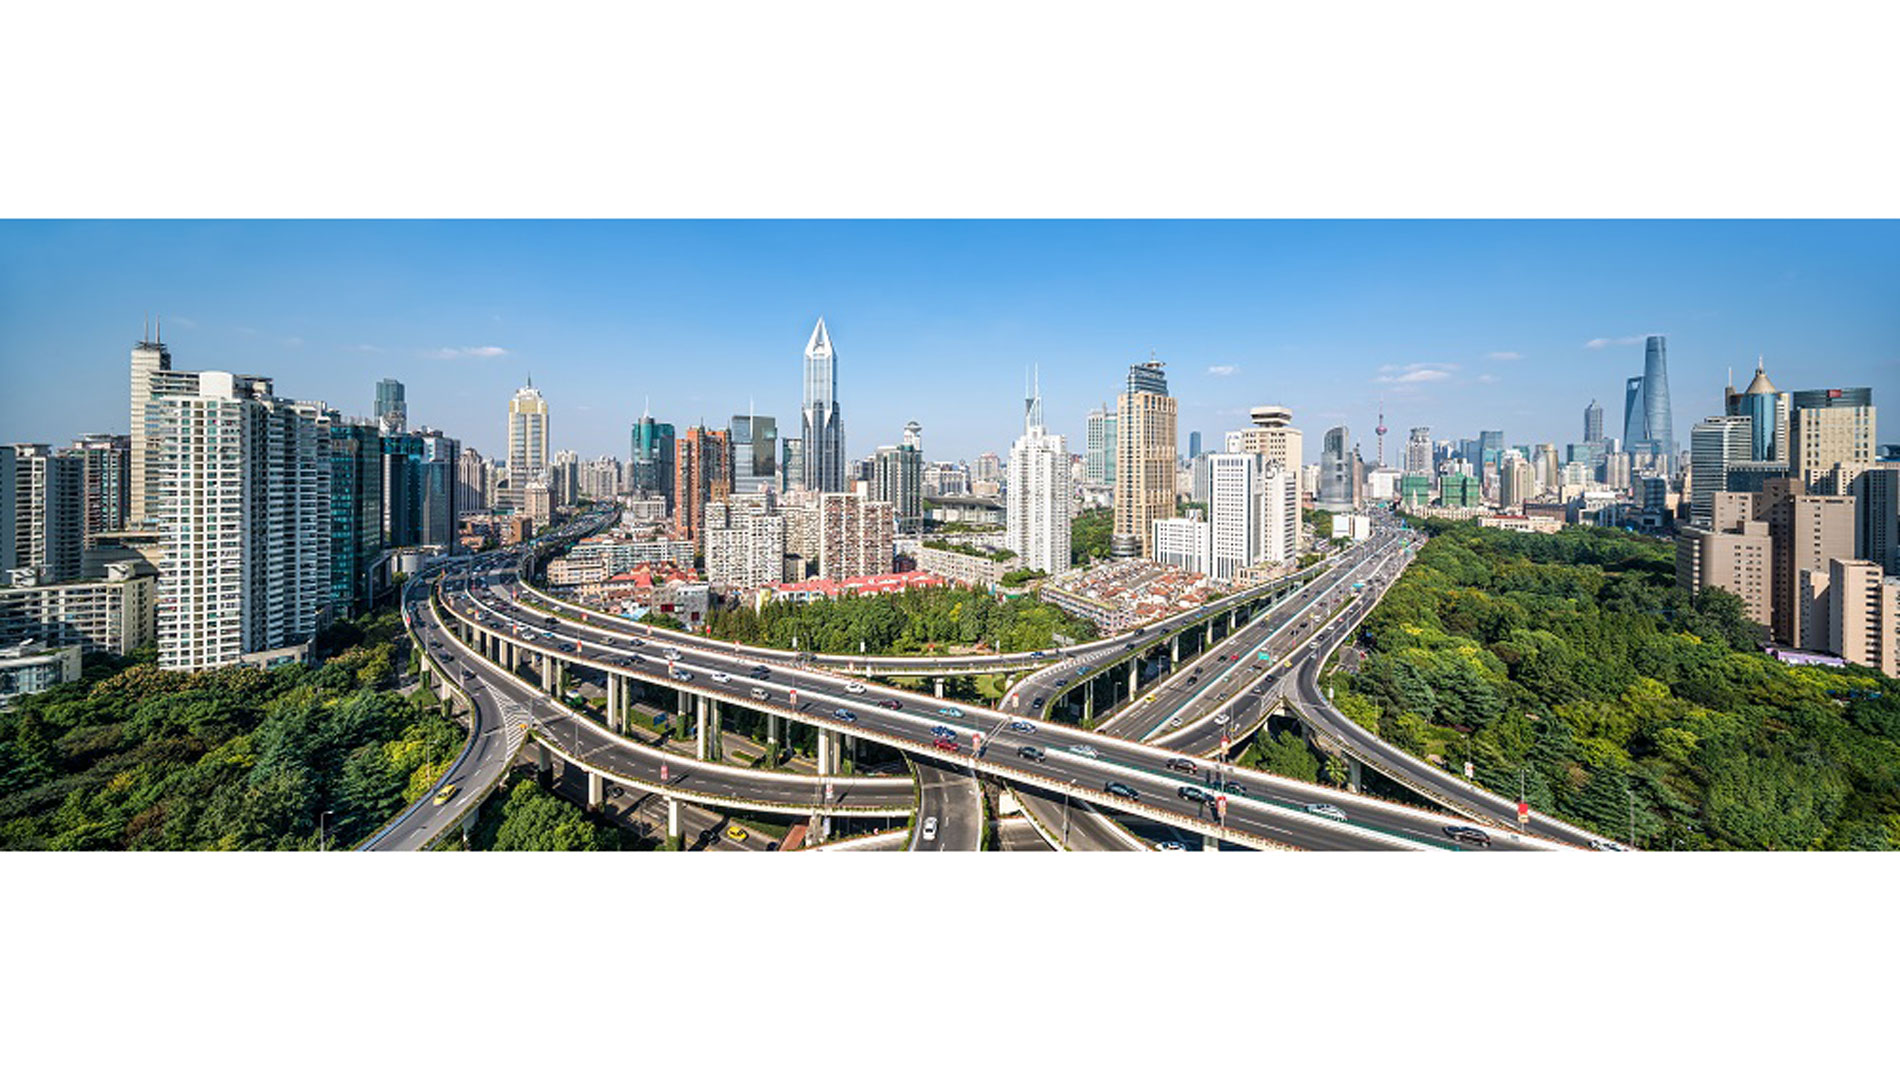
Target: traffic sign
{"type": "Point", "coordinates": [1470, 771]}
{"type": "Point", "coordinates": [1220, 806]}
{"type": "Point", "coordinates": [791, 697]}
{"type": "Point", "coordinates": [663, 773]}
{"type": "Point", "coordinates": [1523, 812]}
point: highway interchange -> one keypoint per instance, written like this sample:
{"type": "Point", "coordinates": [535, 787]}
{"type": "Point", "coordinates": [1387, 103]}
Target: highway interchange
{"type": "Point", "coordinates": [1065, 777]}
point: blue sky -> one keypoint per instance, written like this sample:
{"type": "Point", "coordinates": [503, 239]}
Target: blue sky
{"type": "Point", "coordinates": [1458, 325]}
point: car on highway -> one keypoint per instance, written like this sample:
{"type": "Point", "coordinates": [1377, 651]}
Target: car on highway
{"type": "Point", "coordinates": [890, 704]}
{"type": "Point", "coordinates": [943, 731]}
{"type": "Point", "coordinates": [672, 653]}
{"type": "Point", "coordinates": [1037, 654]}
{"type": "Point", "coordinates": [448, 792]}
{"type": "Point", "coordinates": [1607, 845]}
{"type": "Point", "coordinates": [760, 672]}
{"type": "Point", "coordinates": [1466, 834]}
{"type": "Point", "coordinates": [1220, 718]}
{"type": "Point", "coordinates": [721, 678]}
{"type": "Point", "coordinates": [1193, 794]}
{"type": "Point", "coordinates": [736, 833]}
{"type": "Point", "coordinates": [1060, 682]}
{"type": "Point", "coordinates": [1170, 845]}
{"type": "Point", "coordinates": [844, 715]}
{"type": "Point", "coordinates": [947, 711]}
{"type": "Point", "coordinates": [1326, 810]}
{"type": "Point", "coordinates": [930, 828]}
{"type": "Point", "coordinates": [1182, 765]}
{"type": "Point", "coordinates": [1231, 787]}
{"type": "Point", "coordinates": [1085, 751]}
{"type": "Point", "coordinates": [1121, 790]}
{"type": "Point", "coordinates": [947, 744]}
{"type": "Point", "coordinates": [1031, 754]}
{"type": "Point", "coordinates": [758, 693]}
{"type": "Point", "coordinates": [1021, 726]}
{"type": "Point", "coordinates": [854, 687]}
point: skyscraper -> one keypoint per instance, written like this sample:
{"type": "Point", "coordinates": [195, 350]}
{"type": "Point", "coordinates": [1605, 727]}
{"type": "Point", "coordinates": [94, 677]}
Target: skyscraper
{"type": "Point", "coordinates": [1593, 422]}
{"type": "Point", "coordinates": [1145, 447]}
{"type": "Point", "coordinates": [823, 428]}
{"type": "Point", "coordinates": [754, 453]}
{"type": "Point", "coordinates": [1715, 445]}
{"type": "Point", "coordinates": [897, 476]}
{"type": "Point", "coordinates": [392, 410]}
{"type": "Point", "coordinates": [527, 442]}
{"type": "Point", "coordinates": [854, 536]}
{"type": "Point", "coordinates": [1647, 424]}
{"type": "Point", "coordinates": [107, 494]}
{"type": "Point", "coordinates": [1036, 506]}
{"type": "Point", "coordinates": [472, 477]}
{"type": "Point", "coordinates": [1768, 412]}
{"type": "Point", "coordinates": [1273, 436]}
{"type": "Point", "coordinates": [653, 454]}
{"type": "Point", "coordinates": [1194, 444]}
{"type": "Point", "coordinates": [42, 511]}
{"type": "Point", "coordinates": [356, 512]}
{"type": "Point", "coordinates": [1338, 485]}
{"type": "Point", "coordinates": [1418, 452]}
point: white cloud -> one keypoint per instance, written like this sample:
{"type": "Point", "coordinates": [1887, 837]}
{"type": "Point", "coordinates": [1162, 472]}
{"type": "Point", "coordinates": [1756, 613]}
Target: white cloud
{"type": "Point", "coordinates": [1626, 340]}
{"type": "Point", "coordinates": [1487, 378]}
{"type": "Point", "coordinates": [1222, 369]}
{"type": "Point", "coordinates": [467, 353]}
{"type": "Point", "coordinates": [1417, 372]}
{"type": "Point", "coordinates": [1505, 356]}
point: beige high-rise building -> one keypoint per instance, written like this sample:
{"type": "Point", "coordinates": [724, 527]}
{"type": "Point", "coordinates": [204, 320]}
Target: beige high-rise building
{"type": "Point", "coordinates": [1517, 482]}
{"type": "Point", "coordinates": [1273, 437]}
{"type": "Point", "coordinates": [1856, 608]}
{"type": "Point", "coordinates": [1739, 560]}
{"type": "Point", "coordinates": [1831, 427]}
{"type": "Point", "coordinates": [1809, 530]}
{"type": "Point", "coordinates": [1144, 458]}
{"type": "Point", "coordinates": [527, 443]}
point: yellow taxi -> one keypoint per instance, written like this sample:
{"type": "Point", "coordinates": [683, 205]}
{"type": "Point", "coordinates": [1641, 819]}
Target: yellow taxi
{"type": "Point", "coordinates": [735, 833]}
{"type": "Point", "coordinates": [448, 792]}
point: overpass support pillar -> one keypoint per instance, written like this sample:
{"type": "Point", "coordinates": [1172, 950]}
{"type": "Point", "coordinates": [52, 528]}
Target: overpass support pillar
{"type": "Point", "coordinates": [1134, 674]}
{"type": "Point", "coordinates": [824, 752]}
{"type": "Point", "coordinates": [1231, 618]}
{"type": "Point", "coordinates": [612, 711]}
{"type": "Point", "coordinates": [543, 764]}
{"type": "Point", "coordinates": [1354, 770]}
{"type": "Point", "coordinates": [1174, 650]}
{"type": "Point", "coordinates": [595, 791]}
{"type": "Point", "coordinates": [1210, 842]}
{"type": "Point", "coordinates": [1210, 633]}
{"type": "Point", "coordinates": [1088, 701]}
{"type": "Point", "coordinates": [939, 687]}
{"type": "Point", "coordinates": [771, 737]}
{"type": "Point", "coordinates": [673, 824]}
{"type": "Point", "coordinates": [702, 738]}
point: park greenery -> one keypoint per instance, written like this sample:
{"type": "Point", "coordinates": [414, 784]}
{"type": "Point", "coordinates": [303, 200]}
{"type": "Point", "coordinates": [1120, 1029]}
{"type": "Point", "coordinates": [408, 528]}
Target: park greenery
{"type": "Point", "coordinates": [130, 757]}
{"type": "Point", "coordinates": [1572, 664]}
{"type": "Point", "coordinates": [531, 818]}
{"type": "Point", "coordinates": [1016, 577]}
{"type": "Point", "coordinates": [1089, 534]}
{"type": "Point", "coordinates": [909, 622]}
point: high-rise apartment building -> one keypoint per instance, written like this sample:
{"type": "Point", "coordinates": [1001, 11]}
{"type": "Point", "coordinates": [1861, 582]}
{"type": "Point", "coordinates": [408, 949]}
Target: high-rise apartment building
{"type": "Point", "coordinates": [1877, 508]}
{"type": "Point", "coordinates": [1808, 531]}
{"type": "Point", "coordinates": [392, 407]}
{"type": "Point", "coordinates": [528, 452]}
{"type": "Point", "coordinates": [1516, 482]}
{"type": "Point", "coordinates": [988, 468]}
{"type": "Point", "coordinates": [745, 541]}
{"type": "Point", "coordinates": [702, 472]}
{"type": "Point", "coordinates": [792, 463]}
{"type": "Point", "coordinates": [246, 521]}
{"type": "Point", "coordinates": [1715, 445]}
{"type": "Point", "coordinates": [1145, 447]}
{"type": "Point", "coordinates": [754, 453]}
{"type": "Point", "coordinates": [653, 454]}
{"type": "Point", "coordinates": [106, 492]}
{"type": "Point", "coordinates": [1038, 495]}
{"type": "Point", "coordinates": [1734, 551]}
{"type": "Point", "coordinates": [855, 536]}
{"type": "Point", "coordinates": [356, 512]}
{"type": "Point", "coordinates": [1099, 459]}
{"type": "Point", "coordinates": [1253, 513]}
{"type": "Point", "coordinates": [1593, 422]}
{"type": "Point", "coordinates": [1274, 437]}
{"type": "Point", "coordinates": [1829, 428]}
{"type": "Point", "coordinates": [822, 426]}
{"type": "Point", "coordinates": [1183, 542]}
{"type": "Point", "coordinates": [153, 378]}
{"type": "Point", "coordinates": [1853, 610]}
{"type": "Point", "coordinates": [42, 511]}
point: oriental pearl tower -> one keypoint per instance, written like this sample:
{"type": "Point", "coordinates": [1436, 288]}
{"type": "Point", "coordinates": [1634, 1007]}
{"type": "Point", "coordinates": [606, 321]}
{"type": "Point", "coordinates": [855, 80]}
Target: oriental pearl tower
{"type": "Point", "coordinates": [1381, 432]}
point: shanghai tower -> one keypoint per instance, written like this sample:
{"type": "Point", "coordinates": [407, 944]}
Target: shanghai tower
{"type": "Point", "coordinates": [1647, 427]}
{"type": "Point", "coordinates": [823, 427]}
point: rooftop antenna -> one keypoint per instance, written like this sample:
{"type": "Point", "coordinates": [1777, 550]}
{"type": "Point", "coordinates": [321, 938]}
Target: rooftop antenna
{"type": "Point", "coordinates": [646, 407]}
{"type": "Point", "coordinates": [145, 333]}
{"type": "Point", "coordinates": [158, 330]}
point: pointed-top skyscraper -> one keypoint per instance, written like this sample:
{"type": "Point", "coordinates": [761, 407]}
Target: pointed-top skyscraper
{"type": "Point", "coordinates": [822, 425]}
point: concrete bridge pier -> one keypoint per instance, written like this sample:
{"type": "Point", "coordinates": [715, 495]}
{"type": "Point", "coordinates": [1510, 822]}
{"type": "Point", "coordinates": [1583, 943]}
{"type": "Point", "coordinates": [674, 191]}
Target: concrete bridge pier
{"type": "Point", "coordinates": [673, 835]}
{"type": "Point", "coordinates": [596, 791]}
{"type": "Point", "coordinates": [1088, 701]}
{"type": "Point", "coordinates": [543, 764]}
{"type": "Point", "coordinates": [771, 737]}
{"type": "Point", "coordinates": [939, 687]}
{"type": "Point", "coordinates": [612, 712]}
{"type": "Point", "coordinates": [707, 728]}
{"type": "Point", "coordinates": [1210, 842]}
{"type": "Point", "coordinates": [1210, 634]}
{"type": "Point", "coordinates": [1134, 675]}
{"type": "Point", "coordinates": [1174, 649]}
{"type": "Point", "coordinates": [1354, 770]}
{"type": "Point", "coordinates": [824, 752]}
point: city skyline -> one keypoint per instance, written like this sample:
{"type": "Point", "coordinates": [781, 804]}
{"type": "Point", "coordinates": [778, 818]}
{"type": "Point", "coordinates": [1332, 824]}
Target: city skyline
{"type": "Point", "coordinates": [1510, 343]}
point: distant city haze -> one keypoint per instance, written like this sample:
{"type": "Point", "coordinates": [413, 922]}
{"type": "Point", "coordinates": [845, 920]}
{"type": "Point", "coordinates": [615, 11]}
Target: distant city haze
{"type": "Point", "coordinates": [1453, 325]}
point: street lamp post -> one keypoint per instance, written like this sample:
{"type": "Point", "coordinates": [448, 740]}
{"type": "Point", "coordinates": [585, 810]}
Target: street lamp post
{"type": "Point", "coordinates": [322, 840]}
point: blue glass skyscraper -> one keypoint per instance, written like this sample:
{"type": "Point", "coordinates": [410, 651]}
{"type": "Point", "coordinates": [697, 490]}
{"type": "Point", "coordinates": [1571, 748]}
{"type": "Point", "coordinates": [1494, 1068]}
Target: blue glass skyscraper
{"type": "Point", "coordinates": [1647, 425]}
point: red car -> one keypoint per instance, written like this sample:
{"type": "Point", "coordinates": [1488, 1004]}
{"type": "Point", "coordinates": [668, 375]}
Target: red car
{"type": "Point", "coordinates": [947, 744]}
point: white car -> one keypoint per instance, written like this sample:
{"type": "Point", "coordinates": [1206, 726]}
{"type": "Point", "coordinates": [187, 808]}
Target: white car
{"type": "Point", "coordinates": [721, 678]}
{"type": "Point", "coordinates": [1326, 810]}
{"type": "Point", "coordinates": [930, 828]}
{"type": "Point", "coordinates": [672, 654]}
{"type": "Point", "coordinates": [1085, 751]}
{"type": "Point", "coordinates": [854, 687]}
{"type": "Point", "coordinates": [1169, 845]}
{"type": "Point", "coordinates": [1220, 718]}
{"type": "Point", "coordinates": [1607, 845]}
